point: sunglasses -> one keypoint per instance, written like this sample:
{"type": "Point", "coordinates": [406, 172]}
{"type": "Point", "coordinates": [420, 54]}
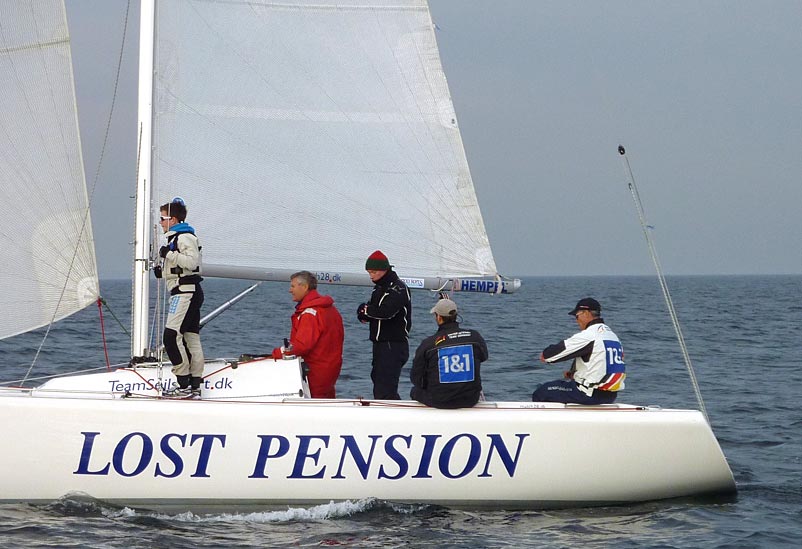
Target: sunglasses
{"type": "Point", "coordinates": [164, 217]}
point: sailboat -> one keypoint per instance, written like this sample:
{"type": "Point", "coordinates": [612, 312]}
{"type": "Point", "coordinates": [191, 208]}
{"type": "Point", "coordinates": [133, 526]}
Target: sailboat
{"type": "Point", "coordinates": [342, 111]}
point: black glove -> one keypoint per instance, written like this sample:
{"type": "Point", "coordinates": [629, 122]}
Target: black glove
{"type": "Point", "coordinates": [157, 270]}
{"type": "Point", "coordinates": [163, 251]}
{"type": "Point", "coordinates": [360, 311]}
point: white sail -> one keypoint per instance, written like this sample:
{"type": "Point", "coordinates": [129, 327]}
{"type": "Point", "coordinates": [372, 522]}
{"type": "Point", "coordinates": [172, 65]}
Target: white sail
{"type": "Point", "coordinates": [306, 134]}
{"type": "Point", "coordinates": [49, 269]}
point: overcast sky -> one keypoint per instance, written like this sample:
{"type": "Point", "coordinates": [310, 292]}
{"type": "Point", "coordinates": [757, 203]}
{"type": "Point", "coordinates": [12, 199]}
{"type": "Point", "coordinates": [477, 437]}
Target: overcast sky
{"type": "Point", "coordinates": [705, 95]}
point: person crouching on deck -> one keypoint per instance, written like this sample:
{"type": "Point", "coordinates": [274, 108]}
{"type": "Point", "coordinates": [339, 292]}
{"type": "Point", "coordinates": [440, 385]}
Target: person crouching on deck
{"type": "Point", "coordinates": [316, 336]}
{"type": "Point", "coordinates": [181, 269]}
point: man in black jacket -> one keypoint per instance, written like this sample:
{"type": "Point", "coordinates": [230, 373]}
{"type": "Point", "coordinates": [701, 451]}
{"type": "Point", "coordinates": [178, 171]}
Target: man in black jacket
{"type": "Point", "coordinates": [445, 370]}
{"type": "Point", "coordinates": [389, 312]}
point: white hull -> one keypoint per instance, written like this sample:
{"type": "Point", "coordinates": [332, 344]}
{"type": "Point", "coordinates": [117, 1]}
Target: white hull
{"type": "Point", "coordinates": [225, 451]}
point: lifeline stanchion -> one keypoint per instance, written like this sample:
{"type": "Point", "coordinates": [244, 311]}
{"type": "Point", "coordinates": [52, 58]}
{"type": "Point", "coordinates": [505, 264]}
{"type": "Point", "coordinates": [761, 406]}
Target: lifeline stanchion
{"type": "Point", "coordinates": [633, 189]}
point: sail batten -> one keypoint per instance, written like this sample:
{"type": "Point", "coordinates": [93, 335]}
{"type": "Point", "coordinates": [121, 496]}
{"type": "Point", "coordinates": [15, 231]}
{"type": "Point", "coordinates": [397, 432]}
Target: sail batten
{"type": "Point", "coordinates": [312, 133]}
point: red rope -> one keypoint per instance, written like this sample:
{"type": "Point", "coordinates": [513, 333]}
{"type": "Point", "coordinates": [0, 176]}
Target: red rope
{"type": "Point", "coordinates": [142, 378]}
{"type": "Point", "coordinates": [103, 333]}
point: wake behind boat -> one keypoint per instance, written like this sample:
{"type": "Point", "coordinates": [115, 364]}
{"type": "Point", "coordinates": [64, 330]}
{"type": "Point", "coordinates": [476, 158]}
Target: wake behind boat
{"type": "Point", "coordinates": [335, 110]}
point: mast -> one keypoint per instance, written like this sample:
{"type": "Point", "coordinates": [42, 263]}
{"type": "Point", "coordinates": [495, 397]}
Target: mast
{"type": "Point", "coordinates": [142, 224]}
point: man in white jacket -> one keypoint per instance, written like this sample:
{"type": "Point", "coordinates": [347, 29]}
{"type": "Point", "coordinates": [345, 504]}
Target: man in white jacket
{"type": "Point", "coordinates": [598, 369]}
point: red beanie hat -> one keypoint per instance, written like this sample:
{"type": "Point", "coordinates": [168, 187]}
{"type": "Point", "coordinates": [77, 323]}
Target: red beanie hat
{"type": "Point", "coordinates": [377, 262]}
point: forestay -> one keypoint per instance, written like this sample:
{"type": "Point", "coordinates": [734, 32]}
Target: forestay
{"type": "Point", "coordinates": [49, 269]}
{"type": "Point", "coordinates": [306, 134]}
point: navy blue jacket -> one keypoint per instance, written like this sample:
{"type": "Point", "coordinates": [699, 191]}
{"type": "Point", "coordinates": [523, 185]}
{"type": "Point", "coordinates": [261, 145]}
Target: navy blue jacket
{"type": "Point", "coordinates": [389, 310]}
{"type": "Point", "coordinates": [446, 368]}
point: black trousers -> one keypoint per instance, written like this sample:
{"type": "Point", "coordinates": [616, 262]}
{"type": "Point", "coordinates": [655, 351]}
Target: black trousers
{"type": "Point", "coordinates": [388, 359]}
{"type": "Point", "coordinates": [181, 339]}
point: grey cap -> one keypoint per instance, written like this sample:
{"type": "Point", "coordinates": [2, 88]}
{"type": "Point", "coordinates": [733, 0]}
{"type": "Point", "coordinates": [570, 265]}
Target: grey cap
{"type": "Point", "coordinates": [444, 307]}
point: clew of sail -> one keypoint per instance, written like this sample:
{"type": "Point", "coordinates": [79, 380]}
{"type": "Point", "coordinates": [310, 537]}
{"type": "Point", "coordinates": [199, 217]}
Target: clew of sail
{"type": "Point", "coordinates": [306, 134]}
{"type": "Point", "coordinates": [45, 276]}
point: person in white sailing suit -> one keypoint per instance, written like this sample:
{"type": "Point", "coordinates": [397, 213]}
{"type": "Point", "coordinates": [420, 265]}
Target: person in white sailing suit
{"type": "Point", "coordinates": [598, 369]}
{"type": "Point", "coordinates": [181, 270]}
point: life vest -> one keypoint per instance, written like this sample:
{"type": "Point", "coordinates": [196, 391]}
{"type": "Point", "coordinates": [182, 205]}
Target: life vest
{"type": "Point", "coordinates": [176, 275]}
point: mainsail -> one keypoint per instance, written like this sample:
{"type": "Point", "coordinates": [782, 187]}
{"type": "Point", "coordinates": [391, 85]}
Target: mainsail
{"type": "Point", "coordinates": [48, 256]}
{"type": "Point", "coordinates": [306, 134]}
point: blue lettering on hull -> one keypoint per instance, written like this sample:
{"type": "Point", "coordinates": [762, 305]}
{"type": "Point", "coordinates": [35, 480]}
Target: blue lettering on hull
{"type": "Point", "coordinates": [307, 457]}
{"type": "Point", "coordinates": [140, 448]}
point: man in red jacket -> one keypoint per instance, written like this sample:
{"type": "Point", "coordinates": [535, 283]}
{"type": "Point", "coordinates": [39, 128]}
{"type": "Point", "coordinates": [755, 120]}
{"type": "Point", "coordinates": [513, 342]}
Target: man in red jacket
{"type": "Point", "coordinates": [317, 335]}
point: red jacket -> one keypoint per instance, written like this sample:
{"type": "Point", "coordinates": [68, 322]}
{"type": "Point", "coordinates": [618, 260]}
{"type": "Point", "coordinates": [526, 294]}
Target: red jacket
{"type": "Point", "coordinates": [317, 336]}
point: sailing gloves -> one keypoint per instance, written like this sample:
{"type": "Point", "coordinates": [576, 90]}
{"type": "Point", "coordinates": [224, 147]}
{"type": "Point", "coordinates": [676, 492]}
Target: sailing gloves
{"type": "Point", "coordinates": [157, 270]}
{"type": "Point", "coordinates": [360, 313]}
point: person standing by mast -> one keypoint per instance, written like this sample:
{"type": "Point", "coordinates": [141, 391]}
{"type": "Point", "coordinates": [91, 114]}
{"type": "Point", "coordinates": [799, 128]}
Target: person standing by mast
{"type": "Point", "coordinates": [181, 269]}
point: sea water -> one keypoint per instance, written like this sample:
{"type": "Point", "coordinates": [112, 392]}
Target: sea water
{"type": "Point", "coordinates": [742, 334]}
